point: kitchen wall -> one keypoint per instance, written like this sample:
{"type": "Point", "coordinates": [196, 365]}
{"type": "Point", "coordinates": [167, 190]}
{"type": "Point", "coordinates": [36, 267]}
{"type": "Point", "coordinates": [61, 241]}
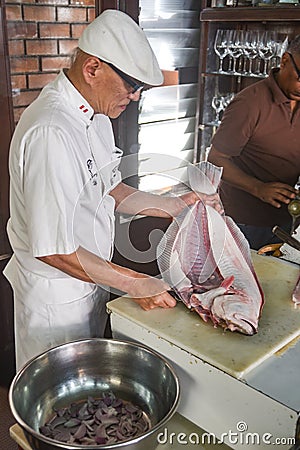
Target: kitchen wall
{"type": "Point", "coordinates": [41, 37]}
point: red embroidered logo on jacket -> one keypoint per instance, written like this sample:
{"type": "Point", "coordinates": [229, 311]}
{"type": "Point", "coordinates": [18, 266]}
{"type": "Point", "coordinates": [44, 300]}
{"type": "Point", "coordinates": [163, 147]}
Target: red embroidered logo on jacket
{"type": "Point", "coordinates": [83, 108]}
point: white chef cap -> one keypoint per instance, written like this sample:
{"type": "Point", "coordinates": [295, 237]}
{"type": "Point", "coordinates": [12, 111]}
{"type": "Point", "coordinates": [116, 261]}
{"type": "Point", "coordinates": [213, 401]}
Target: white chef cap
{"type": "Point", "coordinates": [115, 38]}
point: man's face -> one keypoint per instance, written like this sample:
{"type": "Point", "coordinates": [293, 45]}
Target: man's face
{"type": "Point", "coordinates": [115, 93]}
{"type": "Point", "coordinates": [290, 80]}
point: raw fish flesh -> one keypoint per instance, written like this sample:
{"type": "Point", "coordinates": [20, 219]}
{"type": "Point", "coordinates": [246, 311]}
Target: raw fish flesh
{"type": "Point", "coordinates": [206, 260]}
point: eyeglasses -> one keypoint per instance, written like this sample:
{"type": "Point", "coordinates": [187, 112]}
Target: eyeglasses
{"type": "Point", "coordinates": [295, 65]}
{"type": "Point", "coordinates": [136, 87]}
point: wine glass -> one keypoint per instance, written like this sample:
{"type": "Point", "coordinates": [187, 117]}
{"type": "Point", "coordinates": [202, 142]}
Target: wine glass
{"type": "Point", "coordinates": [250, 49]}
{"type": "Point", "coordinates": [227, 99]}
{"type": "Point", "coordinates": [281, 46]}
{"type": "Point", "coordinates": [220, 46]}
{"type": "Point", "coordinates": [267, 49]}
{"type": "Point", "coordinates": [235, 47]}
{"type": "Point", "coordinates": [217, 104]}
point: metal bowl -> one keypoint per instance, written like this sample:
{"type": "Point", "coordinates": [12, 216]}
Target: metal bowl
{"type": "Point", "coordinates": [72, 372]}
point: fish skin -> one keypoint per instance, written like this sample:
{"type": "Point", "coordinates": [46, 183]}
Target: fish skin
{"type": "Point", "coordinates": [223, 286]}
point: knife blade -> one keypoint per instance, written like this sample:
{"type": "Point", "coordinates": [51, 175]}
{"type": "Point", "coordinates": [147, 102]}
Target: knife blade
{"type": "Point", "coordinates": [174, 295]}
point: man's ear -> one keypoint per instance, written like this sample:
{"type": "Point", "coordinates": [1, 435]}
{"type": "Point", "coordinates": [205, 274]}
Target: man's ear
{"type": "Point", "coordinates": [91, 66]}
{"type": "Point", "coordinates": [284, 59]}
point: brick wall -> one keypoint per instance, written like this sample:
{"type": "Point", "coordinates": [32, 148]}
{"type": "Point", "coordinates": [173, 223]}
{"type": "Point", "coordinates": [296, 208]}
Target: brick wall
{"type": "Point", "coordinates": [41, 37]}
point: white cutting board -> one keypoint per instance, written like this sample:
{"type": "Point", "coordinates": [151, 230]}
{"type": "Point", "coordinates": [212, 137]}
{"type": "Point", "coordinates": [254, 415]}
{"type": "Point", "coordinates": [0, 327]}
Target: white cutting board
{"type": "Point", "coordinates": [231, 352]}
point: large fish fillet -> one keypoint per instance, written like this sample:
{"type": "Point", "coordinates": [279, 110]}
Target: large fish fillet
{"type": "Point", "coordinates": [206, 259]}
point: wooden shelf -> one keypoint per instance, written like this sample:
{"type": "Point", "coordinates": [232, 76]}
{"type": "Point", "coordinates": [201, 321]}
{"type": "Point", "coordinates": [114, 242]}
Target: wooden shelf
{"type": "Point", "coordinates": [247, 14]}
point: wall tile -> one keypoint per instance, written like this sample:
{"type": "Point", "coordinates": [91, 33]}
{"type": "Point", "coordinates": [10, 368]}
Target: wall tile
{"type": "Point", "coordinates": [18, 82]}
{"type": "Point", "coordinates": [67, 46]}
{"type": "Point", "coordinates": [26, 30]}
{"type": "Point", "coordinates": [38, 13]}
{"type": "Point", "coordinates": [77, 29]}
{"type": "Point", "coordinates": [69, 14]}
{"type": "Point", "coordinates": [53, 2]}
{"type": "Point", "coordinates": [55, 63]}
{"type": "Point", "coordinates": [17, 113]}
{"type": "Point", "coordinates": [24, 98]}
{"type": "Point", "coordinates": [82, 2]}
{"type": "Point", "coordinates": [55, 30]}
{"type": "Point", "coordinates": [13, 12]}
{"type": "Point", "coordinates": [23, 65]}
{"type": "Point", "coordinates": [91, 14]}
{"type": "Point", "coordinates": [41, 47]}
{"type": "Point", "coordinates": [38, 81]}
{"type": "Point", "coordinates": [16, 47]}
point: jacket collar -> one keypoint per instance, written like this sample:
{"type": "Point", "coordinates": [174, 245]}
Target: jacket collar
{"type": "Point", "coordinates": [82, 108]}
{"type": "Point", "coordinates": [278, 95]}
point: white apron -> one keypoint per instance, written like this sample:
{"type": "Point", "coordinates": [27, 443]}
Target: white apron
{"type": "Point", "coordinates": [68, 309]}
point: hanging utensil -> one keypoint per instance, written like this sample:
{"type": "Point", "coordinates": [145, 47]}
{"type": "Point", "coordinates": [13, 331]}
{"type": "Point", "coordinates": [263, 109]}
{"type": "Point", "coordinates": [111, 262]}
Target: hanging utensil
{"type": "Point", "coordinates": [294, 210]}
{"type": "Point", "coordinates": [286, 237]}
{"type": "Point", "coordinates": [294, 207]}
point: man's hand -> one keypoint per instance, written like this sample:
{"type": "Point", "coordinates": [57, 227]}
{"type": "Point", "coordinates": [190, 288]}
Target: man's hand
{"type": "Point", "coordinates": [150, 293]}
{"type": "Point", "coordinates": [164, 300]}
{"type": "Point", "coordinates": [275, 193]}
{"type": "Point", "coordinates": [212, 200]}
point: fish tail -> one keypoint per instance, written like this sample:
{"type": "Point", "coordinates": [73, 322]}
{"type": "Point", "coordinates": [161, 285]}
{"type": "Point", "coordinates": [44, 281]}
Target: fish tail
{"type": "Point", "coordinates": [204, 177]}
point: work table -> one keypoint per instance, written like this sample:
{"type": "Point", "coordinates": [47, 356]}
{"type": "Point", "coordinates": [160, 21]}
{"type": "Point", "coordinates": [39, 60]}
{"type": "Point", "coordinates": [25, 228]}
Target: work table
{"type": "Point", "coordinates": [233, 387]}
{"type": "Point", "coordinates": [226, 377]}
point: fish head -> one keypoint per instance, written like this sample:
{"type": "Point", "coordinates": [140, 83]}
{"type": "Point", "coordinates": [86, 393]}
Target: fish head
{"type": "Point", "coordinates": [236, 312]}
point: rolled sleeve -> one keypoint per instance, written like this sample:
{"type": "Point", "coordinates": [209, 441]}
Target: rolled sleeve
{"type": "Point", "coordinates": [237, 127]}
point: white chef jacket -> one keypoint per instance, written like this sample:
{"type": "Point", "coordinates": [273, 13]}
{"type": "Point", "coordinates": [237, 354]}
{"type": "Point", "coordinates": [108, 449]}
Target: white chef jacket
{"type": "Point", "coordinates": [63, 164]}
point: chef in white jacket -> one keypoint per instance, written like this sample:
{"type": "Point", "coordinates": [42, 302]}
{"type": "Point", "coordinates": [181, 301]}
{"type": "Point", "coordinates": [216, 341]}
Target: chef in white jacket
{"type": "Point", "coordinates": [65, 186]}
